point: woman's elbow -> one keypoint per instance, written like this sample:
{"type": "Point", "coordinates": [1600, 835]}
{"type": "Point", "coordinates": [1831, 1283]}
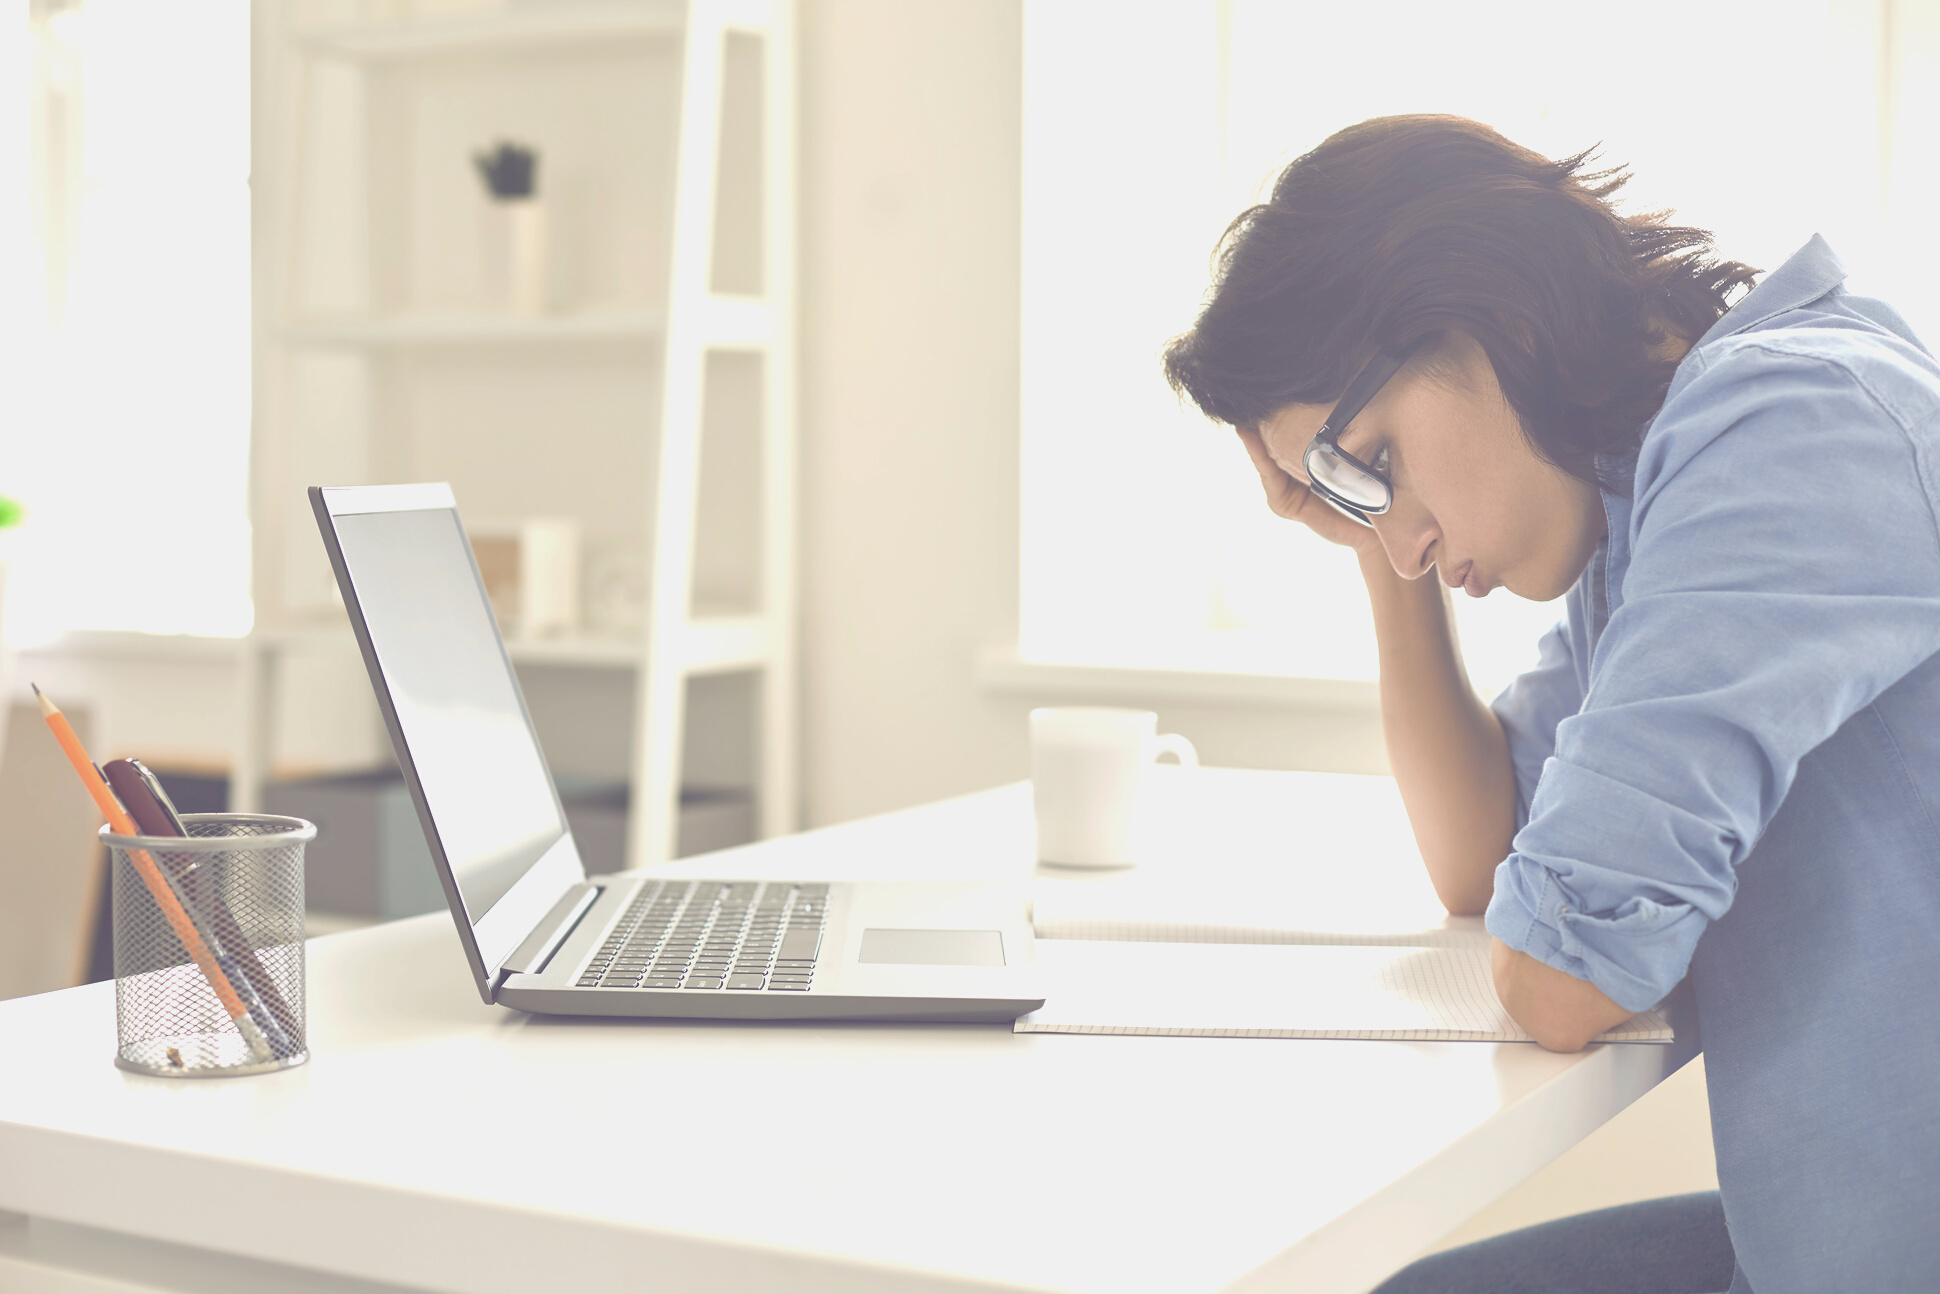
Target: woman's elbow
{"type": "Point", "coordinates": [1561, 1012]}
{"type": "Point", "coordinates": [1558, 1038]}
{"type": "Point", "coordinates": [1464, 898]}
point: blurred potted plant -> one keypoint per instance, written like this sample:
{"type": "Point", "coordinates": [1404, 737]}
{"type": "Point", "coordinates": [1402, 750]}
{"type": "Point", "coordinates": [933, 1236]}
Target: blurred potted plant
{"type": "Point", "coordinates": [515, 228]}
{"type": "Point", "coordinates": [10, 514]}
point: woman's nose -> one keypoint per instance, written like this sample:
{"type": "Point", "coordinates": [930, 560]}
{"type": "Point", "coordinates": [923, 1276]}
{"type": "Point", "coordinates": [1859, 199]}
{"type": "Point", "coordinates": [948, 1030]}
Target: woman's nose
{"type": "Point", "coordinates": [1409, 542]}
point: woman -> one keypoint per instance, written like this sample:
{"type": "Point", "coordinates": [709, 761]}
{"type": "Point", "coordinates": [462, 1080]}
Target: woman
{"type": "Point", "coordinates": [1446, 352]}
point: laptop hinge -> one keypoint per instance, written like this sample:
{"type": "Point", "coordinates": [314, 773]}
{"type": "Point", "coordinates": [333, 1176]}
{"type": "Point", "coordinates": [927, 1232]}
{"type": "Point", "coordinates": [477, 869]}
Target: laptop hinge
{"type": "Point", "coordinates": [531, 956]}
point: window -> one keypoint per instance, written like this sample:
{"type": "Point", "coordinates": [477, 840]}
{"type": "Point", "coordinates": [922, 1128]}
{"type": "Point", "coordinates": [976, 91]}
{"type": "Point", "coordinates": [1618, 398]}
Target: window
{"type": "Point", "coordinates": [124, 215]}
{"type": "Point", "coordinates": [1145, 540]}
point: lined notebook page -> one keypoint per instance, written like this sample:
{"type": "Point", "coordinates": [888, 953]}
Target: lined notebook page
{"type": "Point", "coordinates": [1440, 994]}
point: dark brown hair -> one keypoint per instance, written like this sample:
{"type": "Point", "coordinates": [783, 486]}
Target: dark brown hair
{"type": "Point", "coordinates": [1402, 228]}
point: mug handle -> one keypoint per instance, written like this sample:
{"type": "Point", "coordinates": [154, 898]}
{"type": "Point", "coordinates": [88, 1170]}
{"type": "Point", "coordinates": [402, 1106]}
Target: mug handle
{"type": "Point", "coordinates": [1171, 743]}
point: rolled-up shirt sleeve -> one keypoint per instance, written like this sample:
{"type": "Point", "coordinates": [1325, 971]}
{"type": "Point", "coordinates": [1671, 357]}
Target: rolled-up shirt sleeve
{"type": "Point", "coordinates": [1531, 707]}
{"type": "Point", "coordinates": [1784, 571]}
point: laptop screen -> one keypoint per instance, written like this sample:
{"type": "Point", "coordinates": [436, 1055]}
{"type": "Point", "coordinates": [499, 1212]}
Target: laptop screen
{"type": "Point", "coordinates": [457, 703]}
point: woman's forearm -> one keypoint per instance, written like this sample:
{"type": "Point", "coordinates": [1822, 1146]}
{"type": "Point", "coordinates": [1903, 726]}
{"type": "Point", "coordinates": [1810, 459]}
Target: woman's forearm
{"type": "Point", "coordinates": [1445, 748]}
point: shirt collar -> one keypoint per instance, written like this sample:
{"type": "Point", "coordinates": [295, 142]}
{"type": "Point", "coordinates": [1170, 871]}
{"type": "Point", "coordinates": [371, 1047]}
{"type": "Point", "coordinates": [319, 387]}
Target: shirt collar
{"type": "Point", "coordinates": [1811, 272]}
{"type": "Point", "coordinates": [1808, 274]}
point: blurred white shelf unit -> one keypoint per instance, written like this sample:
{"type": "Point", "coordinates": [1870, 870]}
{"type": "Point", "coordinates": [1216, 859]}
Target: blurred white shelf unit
{"type": "Point", "coordinates": [642, 327]}
{"type": "Point", "coordinates": [515, 29]}
{"type": "Point", "coordinates": [644, 388]}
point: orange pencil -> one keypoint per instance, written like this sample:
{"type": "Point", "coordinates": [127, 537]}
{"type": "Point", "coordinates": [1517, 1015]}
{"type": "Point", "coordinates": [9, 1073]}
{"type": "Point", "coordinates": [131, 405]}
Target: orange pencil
{"type": "Point", "coordinates": [151, 875]}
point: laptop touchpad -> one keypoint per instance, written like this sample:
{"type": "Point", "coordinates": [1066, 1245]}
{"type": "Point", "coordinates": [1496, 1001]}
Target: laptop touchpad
{"type": "Point", "coordinates": [933, 947]}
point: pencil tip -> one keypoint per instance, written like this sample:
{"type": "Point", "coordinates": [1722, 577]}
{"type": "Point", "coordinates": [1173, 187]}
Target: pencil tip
{"type": "Point", "coordinates": [36, 688]}
{"type": "Point", "coordinates": [47, 707]}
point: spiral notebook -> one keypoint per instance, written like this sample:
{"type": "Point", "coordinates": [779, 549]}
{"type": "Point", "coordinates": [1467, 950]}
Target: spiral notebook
{"type": "Point", "coordinates": [1439, 994]}
{"type": "Point", "coordinates": [1320, 924]}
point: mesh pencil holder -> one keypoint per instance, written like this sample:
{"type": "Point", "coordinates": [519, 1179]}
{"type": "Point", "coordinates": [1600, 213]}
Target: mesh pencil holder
{"type": "Point", "coordinates": [208, 939]}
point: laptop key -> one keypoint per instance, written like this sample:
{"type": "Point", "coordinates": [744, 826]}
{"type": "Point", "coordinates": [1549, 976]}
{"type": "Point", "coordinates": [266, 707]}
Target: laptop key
{"type": "Point", "coordinates": [744, 981]}
{"type": "Point", "coordinates": [799, 945]}
{"type": "Point", "coordinates": [789, 986]}
{"type": "Point", "coordinates": [702, 983]}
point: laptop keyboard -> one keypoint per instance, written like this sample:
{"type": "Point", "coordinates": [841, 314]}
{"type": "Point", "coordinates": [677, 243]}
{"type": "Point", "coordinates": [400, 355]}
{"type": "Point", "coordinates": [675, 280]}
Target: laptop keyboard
{"type": "Point", "coordinates": [714, 935]}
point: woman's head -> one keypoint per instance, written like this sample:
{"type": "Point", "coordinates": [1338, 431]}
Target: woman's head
{"type": "Point", "coordinates": [1470, 497]}
{"type": "Point", "coordinates": [1509, 276]}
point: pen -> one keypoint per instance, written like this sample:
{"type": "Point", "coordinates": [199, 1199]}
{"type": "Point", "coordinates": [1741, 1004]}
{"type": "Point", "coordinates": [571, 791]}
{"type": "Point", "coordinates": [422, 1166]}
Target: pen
{"type": "Point", "coordinates": [141, 793]}
{"type": "Point", "coordinates": [151, 875]}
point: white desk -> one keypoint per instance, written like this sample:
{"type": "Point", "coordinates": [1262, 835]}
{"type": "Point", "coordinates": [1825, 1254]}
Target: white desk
{"type": "Point", "coordinates": [437, 1143]}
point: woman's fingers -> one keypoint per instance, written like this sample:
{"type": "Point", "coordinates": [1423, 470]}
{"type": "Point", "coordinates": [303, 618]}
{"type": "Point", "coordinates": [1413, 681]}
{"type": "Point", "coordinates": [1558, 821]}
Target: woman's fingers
{"type": "Point", "coordinates": [1285, 494]}
{"type": "Point", "coordinates": [1289, 497]}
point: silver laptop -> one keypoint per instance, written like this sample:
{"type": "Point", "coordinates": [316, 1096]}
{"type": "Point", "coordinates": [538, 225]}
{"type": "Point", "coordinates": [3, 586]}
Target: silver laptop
{"type": "Point", "coordinates": [542, 936]}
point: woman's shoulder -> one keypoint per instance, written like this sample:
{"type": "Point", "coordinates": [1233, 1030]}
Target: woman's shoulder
{"type": "Point", "coordinates": [1828, 377]}
{"type": "Point", "coordinates": [1840, 348]}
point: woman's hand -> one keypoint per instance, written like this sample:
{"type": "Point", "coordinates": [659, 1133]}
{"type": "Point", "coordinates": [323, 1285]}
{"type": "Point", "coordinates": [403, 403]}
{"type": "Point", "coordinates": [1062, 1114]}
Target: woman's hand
{"type": "Point", "coordinates": [1289, 497]}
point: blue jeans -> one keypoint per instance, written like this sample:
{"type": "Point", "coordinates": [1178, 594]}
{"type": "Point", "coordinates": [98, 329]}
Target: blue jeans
{"type": "Point", "coordinates": [1676, 1245]}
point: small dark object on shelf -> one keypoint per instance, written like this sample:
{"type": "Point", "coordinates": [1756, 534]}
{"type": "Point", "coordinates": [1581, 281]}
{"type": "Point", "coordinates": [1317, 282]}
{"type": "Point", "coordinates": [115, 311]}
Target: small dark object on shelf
{"type": "Point", "coordinates": [509, 171]}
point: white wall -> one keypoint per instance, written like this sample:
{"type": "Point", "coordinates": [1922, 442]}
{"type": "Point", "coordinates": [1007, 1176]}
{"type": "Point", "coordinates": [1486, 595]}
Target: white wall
{"type": "Point", "coordinates": [909, 342]}
{"type": "Point", "coordinates": [912, 157]}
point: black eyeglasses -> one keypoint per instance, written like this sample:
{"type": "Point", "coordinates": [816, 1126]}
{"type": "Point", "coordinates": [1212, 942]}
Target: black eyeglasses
{"type": "Point", "coordinates": [1357, 489]}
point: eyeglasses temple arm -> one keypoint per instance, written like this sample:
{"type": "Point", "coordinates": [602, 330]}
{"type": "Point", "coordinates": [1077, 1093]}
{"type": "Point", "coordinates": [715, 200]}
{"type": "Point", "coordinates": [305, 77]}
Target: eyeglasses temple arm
{"type": "Point", "coordinates": [1372, 378]}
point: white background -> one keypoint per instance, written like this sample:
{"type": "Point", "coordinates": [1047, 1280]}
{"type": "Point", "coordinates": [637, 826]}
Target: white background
{"type": "Point", "coordinates": [124, 342]}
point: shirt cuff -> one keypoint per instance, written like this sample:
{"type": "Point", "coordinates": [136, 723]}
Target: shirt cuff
{"type": "Point", "coordinates": [1515, 915]}
{"type": "Point", "coordinates": [1624, 953]}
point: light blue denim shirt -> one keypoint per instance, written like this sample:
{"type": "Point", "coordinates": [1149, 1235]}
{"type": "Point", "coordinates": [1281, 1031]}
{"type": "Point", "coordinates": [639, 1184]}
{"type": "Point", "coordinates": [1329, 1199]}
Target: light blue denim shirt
{"type": "Point", "coordinates": [1728, 765]}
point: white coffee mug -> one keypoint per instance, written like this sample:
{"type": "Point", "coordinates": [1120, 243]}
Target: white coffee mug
{"type": "Point", "coordinates": [1088, 781]}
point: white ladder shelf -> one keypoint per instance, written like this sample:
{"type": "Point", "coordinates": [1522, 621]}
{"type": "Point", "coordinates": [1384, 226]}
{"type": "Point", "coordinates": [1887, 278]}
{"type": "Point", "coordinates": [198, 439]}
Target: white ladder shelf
{"type": "Point", "coordinates": [693, 322]}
